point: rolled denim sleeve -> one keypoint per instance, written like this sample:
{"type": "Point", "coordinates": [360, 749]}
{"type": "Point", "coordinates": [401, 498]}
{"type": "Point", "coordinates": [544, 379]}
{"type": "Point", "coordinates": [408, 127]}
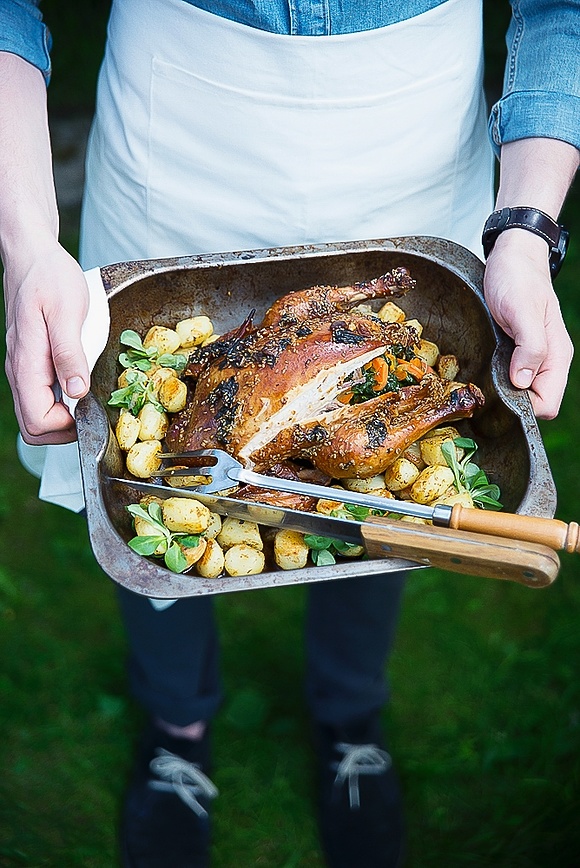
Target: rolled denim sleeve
{"type": "Point", "coordinates": [541, 92]}
{"type": "Point", "coordinates": [23, 32]}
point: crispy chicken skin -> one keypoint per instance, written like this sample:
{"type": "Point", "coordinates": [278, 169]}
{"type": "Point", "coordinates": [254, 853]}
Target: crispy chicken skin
{"type": "Point", "coordinates": [267, 394]}
{"type": "Point", "coordinates": [362, 440]}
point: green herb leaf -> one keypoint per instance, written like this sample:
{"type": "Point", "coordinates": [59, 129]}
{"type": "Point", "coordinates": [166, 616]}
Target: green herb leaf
{"type": "Point", "coordinates": [146, 545]}
{"type": "Point", "coordinates": [190, 541]}
{"type": "Point", "coordinates": [317, 543]}
{"type": "Point", "coordinates": [130, 338]}
{"type": "Point", "coordinates": [175, 560]}
{"type": "Point", "coordinates": [358, 512]}
{"type": "Point", "coordinates": [323, 558]}
{"type": "Point", "coordinates": [135, 509]}
{"type": "Point", "coordinates": [465, 443]}
{"type": "Point", "coordinates": [176, 361]}
{"type": "Point", "coordinates": [154, 510]}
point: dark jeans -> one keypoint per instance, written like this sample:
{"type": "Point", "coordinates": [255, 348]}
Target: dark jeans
{"type": "Point", "coordinates": [350, 627]}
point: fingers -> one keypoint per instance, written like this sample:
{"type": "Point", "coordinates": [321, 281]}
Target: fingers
{"type": "Point", "coordinates": [46, 307]}
{"type": "Point", "coordinates": [548, 384]}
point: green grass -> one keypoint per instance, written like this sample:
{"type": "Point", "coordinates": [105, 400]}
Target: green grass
{"type": "Point", "coordinates": [484, 723]}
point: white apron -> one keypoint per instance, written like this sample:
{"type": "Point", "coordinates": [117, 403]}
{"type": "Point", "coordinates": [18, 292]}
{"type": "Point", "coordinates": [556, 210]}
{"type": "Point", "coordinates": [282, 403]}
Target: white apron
{"type": "Point", "coordinates": [212, 136]}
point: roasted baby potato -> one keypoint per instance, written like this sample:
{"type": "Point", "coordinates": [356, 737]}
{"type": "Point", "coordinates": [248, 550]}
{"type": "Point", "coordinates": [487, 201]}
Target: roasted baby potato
{"type": "Point", "coordinates": [143, 458]}
{"type": "Point", "coordinates": [448, 367]}
{"type": "Point", "coordinates": [184, 514]}
{"type": "Point", "coordinates": [173, 394]}
{"type": "Point", "coordinates": [428, 351]}
{"type": "Point", "coordinates": [127, 430]}
{"type": "Point", "coordinates": [214, 526]}
{"type": "Point", "coordinates": [194, 330]}
{"type": "Point", "coordinates": [391, 312]}
{"type": "Point", "coordinates": [290, 550]}
{"type": "Point", "coordinates": [145, 528]}
{"type": "Point", "coordinates": [430, 445]}
{"type": "Point", "coordinates": [163, 339]}
{"type": "Point", "coordinates": [211, 564]}
{"type": "Point", "coordinates": [243, 560]}
{"type": "Point", "coordinates": [371, 485]}
{"type": "Point", "coordinates": [401, 474]}
{"type": "Point", "coordinates": [235, 531]}
{"type": "Point", "coordinates": [415, 324]}
{"type": "Point", "coordinates": [193, 554]}
{"type": "Point", "coordinates": [153, 424]}
{"type": "Point", "coordinates": [431, 483]}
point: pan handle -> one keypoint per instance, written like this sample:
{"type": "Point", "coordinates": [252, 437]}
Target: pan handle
{"type": "Point", "coordinates": [473, 554]}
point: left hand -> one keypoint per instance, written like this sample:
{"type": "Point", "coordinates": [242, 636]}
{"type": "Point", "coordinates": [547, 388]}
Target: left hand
{"type": "Point", "coordinates": [519, 293]}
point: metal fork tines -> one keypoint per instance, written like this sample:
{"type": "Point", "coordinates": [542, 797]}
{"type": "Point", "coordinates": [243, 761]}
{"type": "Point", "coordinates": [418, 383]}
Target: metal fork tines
{"type": "Point", "coordinates": [225, 471]}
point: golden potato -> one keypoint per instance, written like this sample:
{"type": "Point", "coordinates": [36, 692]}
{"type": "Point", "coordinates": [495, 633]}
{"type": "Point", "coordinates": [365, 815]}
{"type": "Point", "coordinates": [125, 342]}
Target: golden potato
{"type": "Point", "coordinates": [452, 496]}
{"type": "Point", "coordinates": [157, 377]}
{"type": "Point", "coordinates": [185, 514]}
{"type": "Point", "coordinates": [448, 367]}
{"type": "Point", "coordinates": [211, 563]}
{"type": "Point", "coordinates": [401, 474]}
{"type": "Point", "coordinates": [428, 351]}
{"type": "Point", "coordinates": [143, 458]}
{"type": "Point", "coordinates": [153, 424]}
{"type": "Point", "coordinates": [290, 550]}
{"type": "Point", "coordinates": [173, 394]}
{"type": "Point", "coordinates": [193, 554]}
{"type": "Point", "coordinates": [122, 381]}
{"type": "Point", "coordinates": [431, 483]}
{"type": "Point", "coordinates": [371, 485]}
{"type": "Point", "coordinates": [214, 526]}
{"type": "Point", "coordinates": [127, 430]}
{"type": "Point", "coordinates": [235, 531]}
{"type": "Point", "coordinates": [146, 528]}
{"type": "Point", "coordinates": [163, 339]}
{"type": "Point", "coordinates": [415, 324]}
{"type": "Point", "coordinates": [430, 445]}
{"type": "Point", "coordinates": [185, 481]}
{"type": "Point", "coordinates": [414, 519]}
{"type": "Point", "coordinates": [326, 507]}
{"type": "Point", "coordinates": [391, 312]}
{"type": "Point", "coordinates": [194, 330]}
{"type": "Point", "coordinates": [211, 340]}
{"type": "Point", "coordinates": [243, 560]}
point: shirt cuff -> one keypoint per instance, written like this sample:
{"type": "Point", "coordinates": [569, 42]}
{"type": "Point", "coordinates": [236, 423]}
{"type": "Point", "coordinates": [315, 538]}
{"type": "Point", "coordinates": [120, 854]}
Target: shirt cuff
{"type": "Point", "coordinates": [535, 114]}
{"type": "Point", "coordinates": [24, 33]}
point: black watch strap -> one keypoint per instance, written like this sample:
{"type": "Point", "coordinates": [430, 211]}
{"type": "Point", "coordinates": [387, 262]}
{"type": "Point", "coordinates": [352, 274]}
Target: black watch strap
{"type": "Point", "coordinates": [534, 221]}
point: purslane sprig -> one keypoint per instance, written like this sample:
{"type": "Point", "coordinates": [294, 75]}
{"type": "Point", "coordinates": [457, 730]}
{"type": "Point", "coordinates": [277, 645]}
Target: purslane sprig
{"type": "Point", "coordinates": [138, 391]}
{"type": "Point", "coordinates": [163, 543]}
{"type": "Point", "coordinates": [468, 475]}
{"type": "Point", "coordinates": [323, 549]}
{"type": "Point", "coordinates": [140, 357]}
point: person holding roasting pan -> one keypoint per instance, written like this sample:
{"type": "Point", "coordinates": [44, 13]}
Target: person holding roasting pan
{"type": "Point", "coordinates": [225, 126]}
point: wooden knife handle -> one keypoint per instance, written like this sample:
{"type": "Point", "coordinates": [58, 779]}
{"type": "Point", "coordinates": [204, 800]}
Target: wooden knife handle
{"type": "Point", "coordinates": [474, 554]}
{"type": "Point", "coordinates": [547, 531]}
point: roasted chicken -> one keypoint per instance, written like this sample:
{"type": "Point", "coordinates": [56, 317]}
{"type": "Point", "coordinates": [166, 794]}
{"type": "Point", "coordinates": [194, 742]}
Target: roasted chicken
{"type": "Point", "coordinates": [272, 392]}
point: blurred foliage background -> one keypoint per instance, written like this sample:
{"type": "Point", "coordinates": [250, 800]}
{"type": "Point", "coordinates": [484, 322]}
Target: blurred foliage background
{"type": "Point", "coordinates": [485, 719]}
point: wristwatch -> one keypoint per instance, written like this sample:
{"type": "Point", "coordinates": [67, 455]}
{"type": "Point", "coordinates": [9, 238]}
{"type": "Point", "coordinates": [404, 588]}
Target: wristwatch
{"type": "Point", "coordinates": [534, 221]}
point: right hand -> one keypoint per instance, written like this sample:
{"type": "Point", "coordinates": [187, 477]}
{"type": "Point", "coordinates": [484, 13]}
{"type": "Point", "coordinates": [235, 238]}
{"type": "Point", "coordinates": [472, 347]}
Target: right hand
{"type": "Point", "coordinates": [47, 301]}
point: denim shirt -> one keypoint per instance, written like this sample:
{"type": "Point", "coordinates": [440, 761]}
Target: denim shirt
{"type": "Point", "coordinates": [541, 94]}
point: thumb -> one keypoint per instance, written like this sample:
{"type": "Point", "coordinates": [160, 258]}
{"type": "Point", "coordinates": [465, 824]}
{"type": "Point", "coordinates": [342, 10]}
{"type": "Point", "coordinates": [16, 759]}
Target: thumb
{"type": "Point", "coordinates": [529, 354]}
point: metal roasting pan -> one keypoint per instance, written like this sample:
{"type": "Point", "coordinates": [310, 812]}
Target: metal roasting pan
{"type": "Point", "coordinates": [448, 300]}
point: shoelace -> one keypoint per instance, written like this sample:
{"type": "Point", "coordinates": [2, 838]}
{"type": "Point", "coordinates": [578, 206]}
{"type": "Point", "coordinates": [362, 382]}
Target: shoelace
{"type": "Point", "coordinates": [359, 759]}
{"type": "Point", "coordinates": [185, 779]}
